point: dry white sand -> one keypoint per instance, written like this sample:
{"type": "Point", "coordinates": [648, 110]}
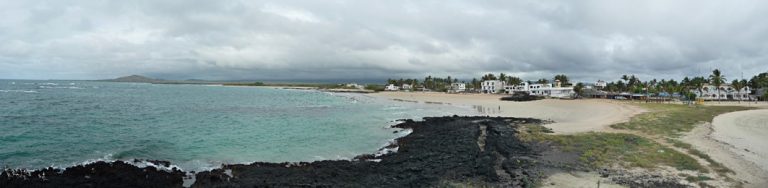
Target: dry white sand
{"type": "Point", "coordinates": [747, 131]}
{"type": "Point", "coordinates": [570, 116]}
{"type": "Point", "coordinates": [755, 104]}
{"type": "Point", "coordinates": [747, 134]}
{"type": "Point", "coordinates": [577, 180]}
{"type": "Point", "coordinates": [738, 140]}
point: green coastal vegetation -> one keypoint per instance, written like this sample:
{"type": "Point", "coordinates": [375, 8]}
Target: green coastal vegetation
{"type": "Point", "coordinates": [673, 120]}
{"type": "Point", "coordinates": [670, 121]}
{"type": "Point", "coordinates": [652, 139]}
{"type": "Point", "coordinates": [603, 150]}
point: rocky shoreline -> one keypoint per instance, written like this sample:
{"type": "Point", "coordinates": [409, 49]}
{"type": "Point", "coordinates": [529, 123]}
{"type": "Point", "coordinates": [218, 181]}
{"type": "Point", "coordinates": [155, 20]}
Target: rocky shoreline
{"type": "Point", "coordinates": [440, 152]}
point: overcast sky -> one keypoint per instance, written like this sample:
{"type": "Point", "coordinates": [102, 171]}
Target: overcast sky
{"type": "Point", "coordinates": [363, 39]}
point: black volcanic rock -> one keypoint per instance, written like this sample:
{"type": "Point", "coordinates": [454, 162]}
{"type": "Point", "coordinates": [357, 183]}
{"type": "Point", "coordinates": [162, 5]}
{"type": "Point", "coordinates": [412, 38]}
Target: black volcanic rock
{"type": "Point", "coordinates": [98, 174]}
{"type": "Point", "coordinates": [439, 151]}
{"type": "Point", "coordinates": [521, 96]}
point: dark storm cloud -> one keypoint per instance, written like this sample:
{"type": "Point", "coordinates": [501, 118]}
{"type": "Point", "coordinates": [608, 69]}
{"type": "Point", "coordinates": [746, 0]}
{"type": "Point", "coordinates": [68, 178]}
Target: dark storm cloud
{"type": "Point", "coordinates": [376, 39]}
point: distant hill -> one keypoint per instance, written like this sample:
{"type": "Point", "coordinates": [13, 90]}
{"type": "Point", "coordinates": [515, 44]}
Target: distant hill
{"type": "Point", "coordinates": [135, 79]}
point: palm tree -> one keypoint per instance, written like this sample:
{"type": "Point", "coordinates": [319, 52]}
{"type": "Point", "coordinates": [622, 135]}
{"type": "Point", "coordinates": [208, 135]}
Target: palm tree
{"type": "Point", "coordinates": [717, 79]}
{"type": "Point", "coordinates": [745, 84]}
{"type": "Point", "coordinates": [512, 80]}
{"type": "Point", "coordinates": [738, 85]}
{"type": "Point", "coordinates": [428, 82]}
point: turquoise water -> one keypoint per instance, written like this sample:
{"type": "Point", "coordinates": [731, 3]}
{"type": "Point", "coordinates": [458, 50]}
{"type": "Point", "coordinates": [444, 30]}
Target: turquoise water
{"type": "Point", "coordinates": [63, 123]}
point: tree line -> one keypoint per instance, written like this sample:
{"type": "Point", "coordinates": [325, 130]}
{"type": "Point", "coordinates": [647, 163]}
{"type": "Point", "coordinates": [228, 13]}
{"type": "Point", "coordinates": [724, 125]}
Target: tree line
{"type": "Point", "coordinates": [625, 83]}
{"type": "Point", "coordinates": [444, 83]}
{"type": "Point", "coordinates": [632, 84]}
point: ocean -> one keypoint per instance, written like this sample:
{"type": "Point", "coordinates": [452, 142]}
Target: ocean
{"type": "Point", "coordinates": [196, 127]}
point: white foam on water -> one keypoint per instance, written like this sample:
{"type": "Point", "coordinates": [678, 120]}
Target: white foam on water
{"type": "Point", "coordinates": [395, 108]}
{"type": "Point", "coordinates": [59, 87]}
{"type": "Point", "coordinates": [385, 151]}
{"type": "Point", "coordinates": [315, 106]}
{"type": "Point", "coordinates": [19, 91]}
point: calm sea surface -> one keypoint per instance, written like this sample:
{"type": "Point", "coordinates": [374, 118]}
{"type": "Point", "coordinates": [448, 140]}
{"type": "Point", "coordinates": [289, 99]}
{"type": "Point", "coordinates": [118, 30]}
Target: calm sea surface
{"type": "Point", "coordinates": [63, 123]}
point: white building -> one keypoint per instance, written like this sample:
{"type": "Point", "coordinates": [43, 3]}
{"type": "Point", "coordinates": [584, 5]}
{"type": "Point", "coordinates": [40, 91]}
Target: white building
{"type": "Point", "coordinates": [458, 88]}
{"type": "Point", "coordinates": [492, 86]}
{"type": "Point", "coordinates": [354, 85]}
{"type": "Point", "coordinates": [724, 92]}
{"type": "Point", "coordinates": [600, 84]}
{"type": "Point", "coordinates": [541, 90]}
{"type": "Point", "coordinates": [391, 87]}
{"type": "Point", "coordinates": [406, 87]}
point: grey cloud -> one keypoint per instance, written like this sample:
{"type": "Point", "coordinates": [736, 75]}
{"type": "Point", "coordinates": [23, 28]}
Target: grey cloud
{"type": "Point", "coordinates": [341, 39]}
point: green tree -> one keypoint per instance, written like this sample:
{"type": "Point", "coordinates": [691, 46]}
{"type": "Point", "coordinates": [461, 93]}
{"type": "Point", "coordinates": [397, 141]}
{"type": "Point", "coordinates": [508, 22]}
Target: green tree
{"type": "Point", "coordinates": [736, 84]}
{"type": "Point", "coordinates": [717, 79]}
{"type": "Point", "coordinates": [489, 76]}
{"type": "Point", "coordinates": [563, 79]}
{"type": "Point", "coordinates": [759, 81]}
{"type": "Point", "coordinates": [428, 82]}
{"type": "Point", "coordinates": [512, 80]}
{"type": "Point", "coordinates": [391, 81]}
{"type": "Point", "coordinates": [621, 86]}
{"type": "Point", "coordinates": [579, 88]}
{"type": "Point", "coordinates": [374, 87]}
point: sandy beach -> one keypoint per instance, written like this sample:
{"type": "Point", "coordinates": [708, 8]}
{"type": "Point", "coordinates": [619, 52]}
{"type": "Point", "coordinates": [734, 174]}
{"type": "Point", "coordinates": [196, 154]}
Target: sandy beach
{"type": "Point", "coordinates": [745, 170]}
{"type": "Point", "coordinates": [754, 104]}
{"type": "Point", "coordinates": [747, 131]}
{"type": "Point", "coordinates": [737, 140]}
{"type": "Point", "coordinates": [733, 139]}
{"type": "Point", "coordinates": [570, 116]}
